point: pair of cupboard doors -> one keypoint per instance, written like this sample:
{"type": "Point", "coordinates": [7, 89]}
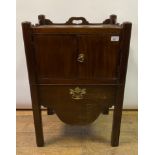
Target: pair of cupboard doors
{"type": "Point", "coordinates": [74, 57]}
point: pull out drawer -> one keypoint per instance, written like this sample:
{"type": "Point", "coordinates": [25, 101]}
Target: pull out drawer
{"type": "Point", "coordinates": [77, 104]}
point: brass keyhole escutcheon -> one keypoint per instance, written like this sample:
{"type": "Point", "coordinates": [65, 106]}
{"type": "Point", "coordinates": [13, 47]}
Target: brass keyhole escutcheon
{"type": "Point", "coordinates": [81, 58]}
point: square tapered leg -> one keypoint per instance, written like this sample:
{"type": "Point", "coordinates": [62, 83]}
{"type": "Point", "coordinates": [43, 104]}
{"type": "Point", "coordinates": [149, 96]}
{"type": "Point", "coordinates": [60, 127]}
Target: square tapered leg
{"type": "Point", "coordinates": [38, 126]}
{"type": "Point", "coordinates": [116, 126]}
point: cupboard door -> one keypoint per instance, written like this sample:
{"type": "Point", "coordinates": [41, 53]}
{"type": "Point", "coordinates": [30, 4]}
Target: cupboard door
{"type": "Point", "coordinates": [101, 57]}
{"type": "Point", "coordinates": [55, 57]}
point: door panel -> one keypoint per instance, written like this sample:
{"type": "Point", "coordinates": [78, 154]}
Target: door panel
{"type": "Point", "coordinates": [101, 57]}
{"type": "Point", "coordinates": [55, 56]}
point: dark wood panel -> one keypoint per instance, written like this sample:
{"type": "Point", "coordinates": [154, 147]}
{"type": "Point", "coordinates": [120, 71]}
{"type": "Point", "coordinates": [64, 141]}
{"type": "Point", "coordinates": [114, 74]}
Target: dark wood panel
{"type": "Point", "coordinates": [101, 57]}
{"type": "Point", "coordinates": [98, 80]}
{"type": "Point", "coordinates": [77, 111]}
{"type": "Point", "coordinates": [56, 56]}
{"type": "Point", "coordinates": [77, 29]}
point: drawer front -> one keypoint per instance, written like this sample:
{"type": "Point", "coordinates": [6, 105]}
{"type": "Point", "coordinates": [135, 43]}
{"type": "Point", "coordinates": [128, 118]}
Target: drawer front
{"type": "Point", "coordinates": [77, 104]}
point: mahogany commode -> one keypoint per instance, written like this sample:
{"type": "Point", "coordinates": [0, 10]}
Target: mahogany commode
{"type": "Point", "coordinates": [77, 70]}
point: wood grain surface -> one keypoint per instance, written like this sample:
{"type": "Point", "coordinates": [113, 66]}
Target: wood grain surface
{"type": "Point", "coordinates": [62, 139]}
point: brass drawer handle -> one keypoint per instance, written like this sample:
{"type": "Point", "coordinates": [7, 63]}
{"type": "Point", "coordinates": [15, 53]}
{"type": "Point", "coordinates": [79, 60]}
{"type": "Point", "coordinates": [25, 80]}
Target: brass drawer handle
{"type": "Point", "coordinates": [80, 58]}
{"type": "Point", "coordinates": [77, 93]}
